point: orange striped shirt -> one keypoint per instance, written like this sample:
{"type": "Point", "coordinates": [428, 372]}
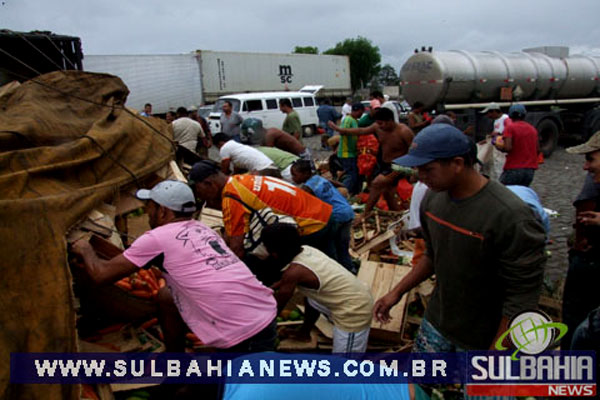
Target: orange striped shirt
{"type": "Point", "coordinates": [310, 213]}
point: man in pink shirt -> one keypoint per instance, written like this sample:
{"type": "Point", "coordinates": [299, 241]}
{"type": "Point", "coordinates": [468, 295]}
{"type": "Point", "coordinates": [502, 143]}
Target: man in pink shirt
{"type": "Point", "coordinates": [214, 293]}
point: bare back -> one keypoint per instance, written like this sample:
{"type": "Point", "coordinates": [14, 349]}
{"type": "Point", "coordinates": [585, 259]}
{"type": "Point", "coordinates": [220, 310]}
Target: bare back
{"type": "Point", "coordinates": [394, 143]}
{"type": "Point", "coordinates": [284, 141]}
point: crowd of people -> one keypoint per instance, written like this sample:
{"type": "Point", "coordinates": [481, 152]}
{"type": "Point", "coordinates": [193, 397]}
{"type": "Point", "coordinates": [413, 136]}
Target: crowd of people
{"type": "Point", "coordinates": [287, 228]}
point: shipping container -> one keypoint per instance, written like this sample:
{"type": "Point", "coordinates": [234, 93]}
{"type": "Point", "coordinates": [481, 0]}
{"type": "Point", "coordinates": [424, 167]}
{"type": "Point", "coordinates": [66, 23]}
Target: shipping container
{"type": "Point", "coordinates": [171, 81]}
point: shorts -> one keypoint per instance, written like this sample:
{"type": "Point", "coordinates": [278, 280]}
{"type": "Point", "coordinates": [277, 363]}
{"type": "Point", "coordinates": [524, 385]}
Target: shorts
{"type": "Point", "coordinates": [286, 173]}
{"type": "Point", "coordinates": [430, 340]}
{"type": "Point", "coordinates": [343, 341]}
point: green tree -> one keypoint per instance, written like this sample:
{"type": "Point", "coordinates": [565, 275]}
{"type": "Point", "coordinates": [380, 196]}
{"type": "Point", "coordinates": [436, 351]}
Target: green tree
{"type": "Point", "coordinates": [306, 50]}
{"type": "Point", "coordinates": [364, 59]}
{"type": "Point", "coordinates": [388, 76]}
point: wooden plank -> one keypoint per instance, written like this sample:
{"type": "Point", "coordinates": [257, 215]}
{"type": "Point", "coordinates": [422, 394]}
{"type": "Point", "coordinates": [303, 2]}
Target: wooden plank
{"type": "Point", "coordinates": [376, 241]}
{"type": "Point", "coordinates": [120, 387]}
{"type": "Point", "coordinates": [175, 173]}
{"type": "Point", "coordinates": [381, 278]}
{"type": "Point", "coordinates": [137, 225]}
{"type": "Point", "coordinates": [211, 218]}
{"type": "Point", "coordinates": [127, 202]}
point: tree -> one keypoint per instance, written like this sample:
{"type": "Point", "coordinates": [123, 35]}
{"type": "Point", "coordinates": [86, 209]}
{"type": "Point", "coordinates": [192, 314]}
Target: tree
{"type": "Point", "coordinates": [364, 59]}
{"type": "Point", "coordinates": [306, 50]}
{"type": "Point", "coordinates": [387, 76]}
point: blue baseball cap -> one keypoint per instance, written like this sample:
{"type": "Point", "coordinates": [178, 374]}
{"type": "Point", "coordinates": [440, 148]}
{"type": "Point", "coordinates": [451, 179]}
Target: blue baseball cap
{"type": "Point", "coordinates": [518, 109]}
{"type": "Point", "coordinates": [435, 142]}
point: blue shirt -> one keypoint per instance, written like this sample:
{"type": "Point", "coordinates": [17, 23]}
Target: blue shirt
{"type": "Point", "coordinates": [327, 113]}
{"type": "Point", "coordinates": [531, 198]}
{"type": "Point", "coordinates": [324, 190]}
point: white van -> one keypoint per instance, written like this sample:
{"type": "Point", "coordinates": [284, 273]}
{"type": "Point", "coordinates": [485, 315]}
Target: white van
{"type": "Point", "coordinates": [265, 106]}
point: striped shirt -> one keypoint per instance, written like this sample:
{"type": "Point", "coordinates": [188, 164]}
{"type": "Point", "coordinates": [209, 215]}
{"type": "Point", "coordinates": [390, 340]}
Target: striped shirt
{"type": "Point", "coordinates": [347, 146]}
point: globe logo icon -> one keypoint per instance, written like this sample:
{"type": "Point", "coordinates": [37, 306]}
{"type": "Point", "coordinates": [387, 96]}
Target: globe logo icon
{"type": "Point", "coordinates": [531, 332]}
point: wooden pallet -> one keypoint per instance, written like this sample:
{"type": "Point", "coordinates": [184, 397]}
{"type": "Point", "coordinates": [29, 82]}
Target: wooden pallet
{"type": "Point", "coordinates": [381, 278]}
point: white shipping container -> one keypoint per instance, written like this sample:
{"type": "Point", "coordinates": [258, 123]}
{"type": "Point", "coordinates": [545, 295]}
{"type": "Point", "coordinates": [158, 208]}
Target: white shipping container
{"type": "Point", "coordinates": [165, 81]}
{"type": "Point", "coordinates": [230, 72]}
{"type": "Point", "coordinates": [176, 80]}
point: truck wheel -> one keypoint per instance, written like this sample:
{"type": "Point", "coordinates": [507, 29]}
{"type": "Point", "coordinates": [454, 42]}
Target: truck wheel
{"type": "Point", "coordinates": [309, 130]}
{"type": "Point", "coordinates": [548, 135]}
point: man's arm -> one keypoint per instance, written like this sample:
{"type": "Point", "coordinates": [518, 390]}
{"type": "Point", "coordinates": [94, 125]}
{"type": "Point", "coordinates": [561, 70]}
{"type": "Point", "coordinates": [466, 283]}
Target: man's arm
{"type": "Point", "coordinates": [236, 244]}
{"type": "Point", "coordinates": [521, 263]}
{"type": "Point", "coordinates": [412, 122]}
{"type": "Point", "coordinates": [353, 131]}
{"type": "Point", "coordinates": [225, 165]}
{"type": "Point", "coordinates": [422, 271]}
{"type": "Point", "coordinates": [102, 271]}
{"type": "Point", "coordinates": [507, 146]}
{"type": "Point", "coordinates": [284, 289]}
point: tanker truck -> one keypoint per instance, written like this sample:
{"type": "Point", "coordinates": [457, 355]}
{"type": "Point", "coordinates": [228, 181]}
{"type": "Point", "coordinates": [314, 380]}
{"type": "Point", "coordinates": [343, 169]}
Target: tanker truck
{"type": "Point", "coordinates": [561, 92]}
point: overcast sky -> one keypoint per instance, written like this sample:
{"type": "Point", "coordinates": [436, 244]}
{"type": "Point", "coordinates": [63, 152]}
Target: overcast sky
{"type": "Point", "coordinates": [396, 26]}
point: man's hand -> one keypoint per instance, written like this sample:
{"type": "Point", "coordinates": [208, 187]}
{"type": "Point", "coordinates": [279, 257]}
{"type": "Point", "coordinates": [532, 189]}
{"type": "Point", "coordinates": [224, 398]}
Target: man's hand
{"type": "Point", "coordinates": [589, 218]}
{"type": "Point", "coordinates": [332, 125]}
{"type": "Point", "coordinates": [81, 247]}
{"type": "Point", "coordinates": [381, 310]}
{"type": "Point", "coordinates": [407, 234]}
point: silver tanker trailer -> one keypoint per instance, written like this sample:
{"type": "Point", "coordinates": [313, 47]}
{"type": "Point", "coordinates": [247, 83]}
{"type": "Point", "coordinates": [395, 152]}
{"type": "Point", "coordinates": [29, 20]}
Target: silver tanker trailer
{"type": "Point", "coordinates": [561, 92]}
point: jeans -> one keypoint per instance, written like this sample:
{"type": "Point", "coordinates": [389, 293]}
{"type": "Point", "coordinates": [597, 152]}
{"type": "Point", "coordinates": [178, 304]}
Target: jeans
{"type": "Point", "coordinates": [521, 176]}
{"type": "Point", "coordinates": [581, 293]}
{"type": "Point", "coordinates": [587, 334]}
{"type": "Point", "coordinates": [430, 340]}
{"type": "Point", "coordinates": [342, 245]}
{"type": "Point", "coordinates": [261, 342]}
{"type": "Point", "coordinates": [350, 178]}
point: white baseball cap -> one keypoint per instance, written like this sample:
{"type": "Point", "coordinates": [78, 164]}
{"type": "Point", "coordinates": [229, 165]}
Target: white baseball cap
{"type": "Point", "coordinates": [491, 107]}
{"type": "Point", "coordinates": [174, 195]}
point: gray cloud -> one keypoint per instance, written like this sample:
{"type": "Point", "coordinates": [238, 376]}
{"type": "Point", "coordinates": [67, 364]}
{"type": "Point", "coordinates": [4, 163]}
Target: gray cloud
{"type": "Point", "coordinates": [397, 27]}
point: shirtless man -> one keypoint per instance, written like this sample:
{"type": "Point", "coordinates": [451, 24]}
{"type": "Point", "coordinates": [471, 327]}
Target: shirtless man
{"type": "Point", "coordinates": [394, 141]}
{"type": "Point", "coordinates": [286, 142]}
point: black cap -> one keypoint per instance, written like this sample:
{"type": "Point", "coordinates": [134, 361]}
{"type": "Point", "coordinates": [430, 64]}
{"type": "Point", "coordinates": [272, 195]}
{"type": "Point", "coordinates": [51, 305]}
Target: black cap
{"type": "Point", "coordinates": [358, 107]}
{"type": "Point", "coordinates": [202, 170]}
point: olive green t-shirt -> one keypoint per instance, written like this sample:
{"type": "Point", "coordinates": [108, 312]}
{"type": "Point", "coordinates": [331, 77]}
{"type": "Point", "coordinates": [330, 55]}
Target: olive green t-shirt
{"type": "Point", "coordinates": [292, 124]}
{"type": "Point", "coordinates": [488, 257]}
{"type": "Point", "coordinates": [282, 159]}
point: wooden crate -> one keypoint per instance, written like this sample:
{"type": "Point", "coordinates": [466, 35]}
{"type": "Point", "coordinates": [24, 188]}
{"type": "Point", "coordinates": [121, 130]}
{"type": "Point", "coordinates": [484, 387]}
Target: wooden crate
{"type": "Point", "coordinates": [381, 278]}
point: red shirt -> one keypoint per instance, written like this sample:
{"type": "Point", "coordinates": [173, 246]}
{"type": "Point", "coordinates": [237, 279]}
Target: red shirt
{"type": "Point", "coordinates": [524, 152]}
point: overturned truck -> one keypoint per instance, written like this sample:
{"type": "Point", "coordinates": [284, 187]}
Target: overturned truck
{"type": "Point", "coordinates": [67, 145]}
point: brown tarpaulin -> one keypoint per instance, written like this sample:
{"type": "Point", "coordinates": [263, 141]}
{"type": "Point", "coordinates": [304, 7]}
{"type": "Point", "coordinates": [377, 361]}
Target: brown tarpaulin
{"type": "Point", "coordinates": [66, 145]}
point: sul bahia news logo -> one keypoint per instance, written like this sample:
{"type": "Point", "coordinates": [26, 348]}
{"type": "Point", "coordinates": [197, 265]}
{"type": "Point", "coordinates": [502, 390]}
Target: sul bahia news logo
{"type": "Point", "coordinates": [531, 370]}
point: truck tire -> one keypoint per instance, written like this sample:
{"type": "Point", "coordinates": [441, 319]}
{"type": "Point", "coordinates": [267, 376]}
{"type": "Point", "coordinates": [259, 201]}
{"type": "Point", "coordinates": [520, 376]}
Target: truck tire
{"type": "Point", "coordinates": [548, 134]}
{"type": "Point", "coordinates": [309, 130]}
